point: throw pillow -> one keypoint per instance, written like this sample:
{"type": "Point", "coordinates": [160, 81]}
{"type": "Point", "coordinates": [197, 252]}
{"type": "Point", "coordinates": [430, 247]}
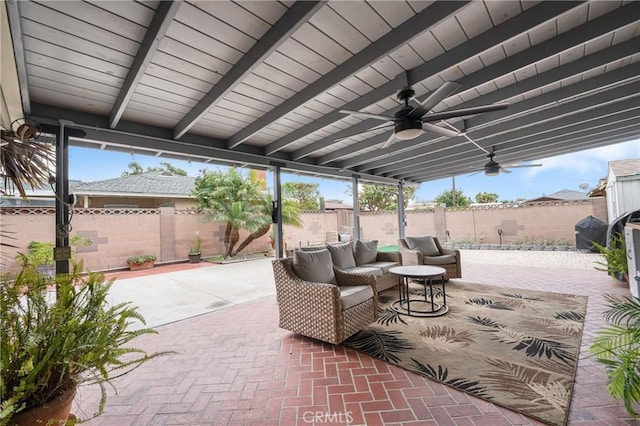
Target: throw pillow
{"type": "Point", "coordinates": [314, 266]}
{"type": "Point", "coordinates": [425, 245]}
{"type": "Point", "coordinates": [366, 252]}
{"type": "Point", "coordinates": [342, 255]}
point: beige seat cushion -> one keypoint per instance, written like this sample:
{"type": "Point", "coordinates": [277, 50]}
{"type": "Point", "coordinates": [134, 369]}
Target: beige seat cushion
{"type": "Point", "coordinates": [424, 245]}
{"type": "Point", "coordinates": [314, 266]}
{"type": "Point", "coordinates": [342, 255]}
{"type": "Point", "coordinates": [365, 251]}
{"type": "Point", "coordinates": [354, 295]}
{"type": "Point", "coordinates": [376, 272]}
{"type": "Point", "coordinates": [445, 259]}
{"type": "Point", "coordinates": [383, 266]}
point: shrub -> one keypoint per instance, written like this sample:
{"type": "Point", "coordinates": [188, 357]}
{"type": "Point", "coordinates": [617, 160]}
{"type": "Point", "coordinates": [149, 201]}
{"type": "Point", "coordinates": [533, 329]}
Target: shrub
{"type": "Point", "coordinates": [139, 260]}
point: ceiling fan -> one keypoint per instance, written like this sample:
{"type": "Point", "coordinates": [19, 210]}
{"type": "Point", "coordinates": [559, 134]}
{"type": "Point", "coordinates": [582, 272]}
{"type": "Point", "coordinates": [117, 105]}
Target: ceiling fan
{"type": "Point", "coordinates": [493, 168]}
{"type": "Point", "coordinates": [409, 122]}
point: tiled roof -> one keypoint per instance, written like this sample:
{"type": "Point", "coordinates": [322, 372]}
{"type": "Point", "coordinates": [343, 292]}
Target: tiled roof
{"type": "Point", "coordinates": [157, 183]}
{"type": "Point", "coordinates": [625, 167]}
{"type": "Point", "coordinates": [565, 194]}
{"type": "Point", "coordinates": [336, 206]}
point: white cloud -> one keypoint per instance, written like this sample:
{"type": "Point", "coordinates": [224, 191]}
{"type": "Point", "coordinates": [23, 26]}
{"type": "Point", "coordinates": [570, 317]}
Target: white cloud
{"type": "Point", "coordinates": [589, 162]}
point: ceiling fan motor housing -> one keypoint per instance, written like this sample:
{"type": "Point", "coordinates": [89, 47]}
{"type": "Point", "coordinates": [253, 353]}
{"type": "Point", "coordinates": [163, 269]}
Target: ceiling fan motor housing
{"type": "Point", "coordinates": [492, 168]}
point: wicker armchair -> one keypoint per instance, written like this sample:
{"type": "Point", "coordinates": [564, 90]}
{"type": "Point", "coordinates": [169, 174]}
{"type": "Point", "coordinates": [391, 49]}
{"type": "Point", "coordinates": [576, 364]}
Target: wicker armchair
{"type": "Point", "coordinates": [317, 310]}
{"type": "Point", "coordinates": [445, 258]}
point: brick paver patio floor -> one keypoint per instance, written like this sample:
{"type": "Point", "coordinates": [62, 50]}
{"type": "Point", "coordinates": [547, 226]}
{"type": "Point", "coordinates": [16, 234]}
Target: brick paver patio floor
{"type": "Point", "coordinates": [236, 367]}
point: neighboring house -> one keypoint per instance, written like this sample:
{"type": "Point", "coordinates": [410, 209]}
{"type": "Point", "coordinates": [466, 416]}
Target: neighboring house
{"type": "Point", "coordinates": [337, 206]}
{"type": "Point", "coordinates": [144, 190]}
{"type": "Point", "coordinates": [563, 195]}
{"type": "Point", "coordinates": [623, 187]}
{"type": "Point", "coordinates": [42, 196]}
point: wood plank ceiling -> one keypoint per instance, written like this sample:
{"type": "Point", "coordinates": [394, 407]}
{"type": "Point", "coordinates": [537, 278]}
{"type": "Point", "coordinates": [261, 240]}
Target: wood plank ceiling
{"type": "Point", "coordinates": [257, 82]}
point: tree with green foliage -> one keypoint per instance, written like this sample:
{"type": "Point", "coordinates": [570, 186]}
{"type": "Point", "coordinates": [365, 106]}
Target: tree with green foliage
{"type": "Point", "coordinates": [136, 169]}
{"type": "Point", "coordinates": [446, 197]}
{"type": "Point", "coordinates": [486, 197]}
{"type": "Point", "coordinates": [374, 197]}
{"type": "Point", "coordinates": [290, 216]}
{"type": "Point", "coordinates": [305, 194]}
{"type": "Point", "coordinates": [241, 202]}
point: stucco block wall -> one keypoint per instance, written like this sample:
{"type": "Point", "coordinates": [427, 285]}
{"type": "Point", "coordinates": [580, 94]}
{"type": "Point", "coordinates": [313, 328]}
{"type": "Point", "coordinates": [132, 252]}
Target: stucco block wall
{"type": "Point", "coordinates": [169, 233]}
{"type": "Point", "coordinates": [316, 225]}
{"type": "Point", "coordinates": [187, 223]}
{"type": "Point", "coordinates": [117, 234]}
{"type": "Point", "coordinates": [116, 237]}
{"type": "Point", "coordinates": [420, 223]}
{"type": "Point", "coordinates": [544, 221]}
{"type": "Point", "coordinates": [381, 226]}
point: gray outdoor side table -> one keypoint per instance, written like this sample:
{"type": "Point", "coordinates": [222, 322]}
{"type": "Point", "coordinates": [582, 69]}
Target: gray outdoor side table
{"type": "Point", "coordinates": [426, 274]}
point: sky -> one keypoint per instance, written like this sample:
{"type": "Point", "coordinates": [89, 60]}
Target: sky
{"type": "Point", "coordinates": [567, 171]}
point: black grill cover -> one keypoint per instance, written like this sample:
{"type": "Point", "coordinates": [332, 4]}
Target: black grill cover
{"type": "Point", "coordinates": [590, 229]}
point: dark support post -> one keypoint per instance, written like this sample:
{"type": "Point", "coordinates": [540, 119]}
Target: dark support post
{"type": "Point", "coordinates": [277, 210]}
{"type": "Point", "coordinates": [402, 222]}
{"type": "Point", "coordinates": [62, 252]}
{"type": "Point", "coordinates": [356, 209]}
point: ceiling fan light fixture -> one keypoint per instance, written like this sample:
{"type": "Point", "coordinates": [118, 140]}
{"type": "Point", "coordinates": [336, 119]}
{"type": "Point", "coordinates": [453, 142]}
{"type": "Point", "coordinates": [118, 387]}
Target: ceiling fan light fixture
{"type": "Point", "coordinates": [408, 129]}
{"type": "Point", "coordinates": [407, 134]}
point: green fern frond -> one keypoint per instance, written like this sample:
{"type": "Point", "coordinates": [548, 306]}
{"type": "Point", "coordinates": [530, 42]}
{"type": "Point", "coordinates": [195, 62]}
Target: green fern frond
{"type": "Point", "coordinates": [617, 347]}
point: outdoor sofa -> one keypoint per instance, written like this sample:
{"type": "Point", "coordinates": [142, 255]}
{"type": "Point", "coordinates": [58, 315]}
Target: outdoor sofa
{"type": "Point", "coordinates": [363, 257]}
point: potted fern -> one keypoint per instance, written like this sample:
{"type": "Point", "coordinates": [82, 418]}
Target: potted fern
{"type": "Point", "coordinates": [56, 334]}
{"type": "Point", "coordinates": [617, 346]}
{"type": "Point", "coordinates": [614, 260]}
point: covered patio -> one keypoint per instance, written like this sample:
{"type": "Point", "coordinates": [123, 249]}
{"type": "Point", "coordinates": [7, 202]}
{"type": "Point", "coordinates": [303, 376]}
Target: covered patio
{"type": "Point", "coordinates": [387, 92]}
{"type": "Point", "coordinates": [266, 85]}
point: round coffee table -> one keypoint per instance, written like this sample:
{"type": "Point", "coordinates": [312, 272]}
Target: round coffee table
{"type": "Point", "coordinates": [426, 307]}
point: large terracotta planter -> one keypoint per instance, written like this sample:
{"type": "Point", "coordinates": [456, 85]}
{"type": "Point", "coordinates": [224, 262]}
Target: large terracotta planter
{"type": "Point", "coordinates": [139, 266]}
{"type": "Point", "coordinates": [55, 412]}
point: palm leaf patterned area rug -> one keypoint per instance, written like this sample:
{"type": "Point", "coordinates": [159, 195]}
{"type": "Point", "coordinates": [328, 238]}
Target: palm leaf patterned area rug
{"type": "Point", "coordinates": [512, 347]}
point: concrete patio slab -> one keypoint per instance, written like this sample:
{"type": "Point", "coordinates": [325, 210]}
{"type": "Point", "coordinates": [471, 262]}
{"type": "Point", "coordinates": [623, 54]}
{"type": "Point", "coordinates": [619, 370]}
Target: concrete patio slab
{"type": "Point", "coordinates": [163, 298]}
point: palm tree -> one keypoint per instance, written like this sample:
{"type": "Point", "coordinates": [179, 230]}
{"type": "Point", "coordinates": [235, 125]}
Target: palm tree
{"type": "Point", "coordinates": [241, 203]}
{"type": "Point", "coordinates": [290, 216]}
{"type": "Point", "coordinates": [24, 161]}
{"type": "Point", "coordinates": [237, 214]}
{"type": "Point", "coordinates": [229, 198]}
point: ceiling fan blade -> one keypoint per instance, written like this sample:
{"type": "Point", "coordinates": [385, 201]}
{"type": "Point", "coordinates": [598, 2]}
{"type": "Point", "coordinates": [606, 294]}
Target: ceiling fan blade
{"type": "Point", "coordinates": [392, 139]}
{"type": "Point", "coordinates": [437, 96]}
{"type": "Point", "coordinates": [515, 166]}
{"type": "Point", "coordinates": [367, 115]}
{"type": "Point", "coordinates": [440, 94]}
{"type": "Point", "coordinates": [440, 130]}
{"type": "Point", "coordinates": [463, 112]}
{"type": "Point", "coordinates": [503, 170]}
{"type": "Point", "coordinates": [381, 126]}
